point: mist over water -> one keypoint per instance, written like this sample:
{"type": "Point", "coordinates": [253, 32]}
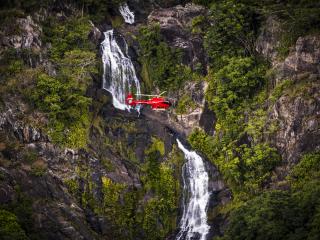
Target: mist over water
{"type": "Point", "coordinates": [193, 224]}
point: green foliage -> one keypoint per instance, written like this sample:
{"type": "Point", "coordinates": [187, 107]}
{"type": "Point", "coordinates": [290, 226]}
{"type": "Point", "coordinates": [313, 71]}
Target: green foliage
{"type": "Point", "coordinates": [67, 36]}
{"type": "Point", "coordinates": [157, 145]}
{"type": "Point", "coordinates": [292, 215]}
{"type": "Point", "coordinates": [258, 163]}
{"type": "Point", "coordinates": [185, 104]}
{"type": "Point", "coordinates": [161, 211]}
{"type": "Point", "coordinates": [299, 19]}
{"type": "Point", "coordinates": [21, 208]}
{"type": "Point", "coordinates": [10, 228]}
{"type": "Point", "coordinates": [123, 205]}
{"type": "Point", "coordinates": [279, 89]}
{"type": "Point", "coordinates": [308, 169]}
{"type": "Point", "coordinates": [203, 2]}
{"type": "Point", "coordinates": [67, 109]}
{"type": "Point", "coordinates": [237, 81]}
{"type": "Point", "coordinates": [10, 64]}
{"type": "Point", "coordinates": [236, 94]}
{"type": "Point", "coordinates": [63, 97]}
{"type": "Point", "coordinates": [73, 186]}
{"type": "Point", "coordinates": [231, 32]}
{"type": "Point", "coordinates": [265, 217]}
{"type": "Point", "coordinates": [161, 64]}
{"type": "Point", "coordinates": [198, 24]}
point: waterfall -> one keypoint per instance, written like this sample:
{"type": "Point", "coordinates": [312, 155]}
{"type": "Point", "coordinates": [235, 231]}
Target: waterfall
{"type": "Point", "coordinates": [193, 224]}
{"type": "Point", "coordinates": [127, 15]}
{"type": "Point", "coordinates": [119, 75]}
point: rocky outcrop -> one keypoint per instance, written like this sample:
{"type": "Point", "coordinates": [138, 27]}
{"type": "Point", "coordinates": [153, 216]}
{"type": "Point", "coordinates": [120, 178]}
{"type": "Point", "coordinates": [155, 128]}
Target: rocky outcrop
{"type": "Point", "coordinates": [269, 39]}
{"type": "Point", "coordinates": [201, 115]}
{"type": "Point", "coordinates": [175, 24]}
{"type": "Point", "coordinates": [26, 36]}
{"type": "Point", "coordinates": [303, 59]}
{"type": "Point", "coordinates": [298, 119]}
{"type": "Point", "coordinates": [297, 112]}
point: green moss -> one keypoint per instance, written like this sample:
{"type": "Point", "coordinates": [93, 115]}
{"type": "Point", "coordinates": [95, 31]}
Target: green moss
{"type": "Point", "coordinates": [73, 186]}
{"type": "Point", "coordinates": [157, 145]}
{"type": "Point", "coordinates": [10, 228]}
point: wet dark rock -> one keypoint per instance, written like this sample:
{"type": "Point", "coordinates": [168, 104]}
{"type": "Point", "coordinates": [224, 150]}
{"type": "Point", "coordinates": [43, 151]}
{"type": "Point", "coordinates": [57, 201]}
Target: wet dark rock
{"type": "Point", "coordinates": [95, 34]}
{"type": "Point", "coordinates": [207, 120]}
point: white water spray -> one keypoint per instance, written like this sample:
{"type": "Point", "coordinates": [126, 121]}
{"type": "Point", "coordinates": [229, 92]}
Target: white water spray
{"type": "Point", "coordinates": [119, 75]}
{"type": "Point", "coordinates": [126, 13]}
{"type": "Point", "coordinates": [193, 224]}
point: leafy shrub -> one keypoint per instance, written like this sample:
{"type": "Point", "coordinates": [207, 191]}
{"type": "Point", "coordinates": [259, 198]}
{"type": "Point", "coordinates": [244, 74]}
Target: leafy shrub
{"type": "Point", "coordinates": [308, 169]}
{"type": "Point", "coordinates": [67, 109]}
{"type": "Point", "coordinates": [62, 97]}
{"type": "Point", "coordinates": [10, 228]}
{"type": "Point", "coordinates": [161, 63]}
{"type": "Point", "coordinates": [237, 81]}
{"type": "Point", "coordinates": [66, 36]}
{"type": "Point", "coordinates": [299, 19]}
{"type": "Point", "coordinates": [264, 217]}
{"type": "Point", "coordinates": [185, 104]}
{"type": "Point", "coordinates": [235, 95]}
{"type": "Point", "coordinates": [292, 215]}
{"type": "Point", "coordinates": [162, 208]}
{"type": "Point", "coordinates": [231, 32]}
{"type": "Point", "coordinates": [157, 145]}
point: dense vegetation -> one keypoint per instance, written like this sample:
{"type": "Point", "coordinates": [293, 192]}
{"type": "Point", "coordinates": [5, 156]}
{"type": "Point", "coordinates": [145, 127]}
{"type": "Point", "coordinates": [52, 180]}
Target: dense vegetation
{"type": "Point", "coordinates": [161, 64]}
{"type": "Point", "coordinates": [137, 216]}
{"type": "Point", "coordinates": [238, 93]}
{"type": "Point", "coordinates": [240, 98]}
{"type": "Point", "coordinates": [62, 96]}
{"type": "Point", "coordinates": [275, 214]}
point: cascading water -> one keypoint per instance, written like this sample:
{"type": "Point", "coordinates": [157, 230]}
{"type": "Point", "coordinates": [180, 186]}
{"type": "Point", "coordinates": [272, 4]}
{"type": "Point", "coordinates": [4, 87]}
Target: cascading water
{"type": "Point", "coordinates": [127, 15]}
{"type": "Point", "coordinates": [193, 224]}
{"type": "Point", "coordinates": [119, 75]}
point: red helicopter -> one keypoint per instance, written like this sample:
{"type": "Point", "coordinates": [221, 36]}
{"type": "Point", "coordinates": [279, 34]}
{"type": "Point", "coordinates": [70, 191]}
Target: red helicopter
{"type": "Point", "coordinates": [156, 101]}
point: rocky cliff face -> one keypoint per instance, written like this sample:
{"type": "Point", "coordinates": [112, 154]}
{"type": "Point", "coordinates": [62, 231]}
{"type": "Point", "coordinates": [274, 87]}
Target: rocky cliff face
{"type": "Point", "coordinates": [176, 26]}
{"type": "Point", "coordinates": [64, 187]}
{"type": "Point", "coordinates": [296, 112]}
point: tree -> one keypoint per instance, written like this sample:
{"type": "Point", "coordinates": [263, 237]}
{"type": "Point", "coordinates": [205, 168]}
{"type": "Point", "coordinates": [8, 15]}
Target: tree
{"type": "Point", "coordinates": [231, 32]}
